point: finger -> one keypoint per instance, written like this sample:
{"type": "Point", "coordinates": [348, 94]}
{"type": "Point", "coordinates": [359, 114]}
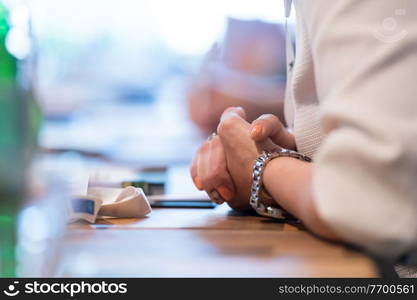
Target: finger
{"type": "Point", "coordinates": [194, 173]}
{"type": "Point", "coordinates": [233, 111]}
{"type": "Point", "coordinates": [215, 197]}
{"type": "Point", "coordinates": [207, 180]}
{"type": "Point", "coordinates": [232, 122]}
{"type": "Point", "coordinates": [201, 165]}
{"type": "Point", "coordinates": [221, 179]}
{"type": "Point", "coordinates": [212, 170]}
{"type": "Point", "coordinates": [204, 166]}
{"type": "Point", "coordinates": [270, 126]}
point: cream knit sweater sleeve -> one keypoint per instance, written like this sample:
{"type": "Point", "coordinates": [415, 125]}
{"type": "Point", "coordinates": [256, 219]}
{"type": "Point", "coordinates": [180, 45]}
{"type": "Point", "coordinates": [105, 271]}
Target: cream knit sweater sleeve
{"type": "Point", "coordinates": [364, 55]}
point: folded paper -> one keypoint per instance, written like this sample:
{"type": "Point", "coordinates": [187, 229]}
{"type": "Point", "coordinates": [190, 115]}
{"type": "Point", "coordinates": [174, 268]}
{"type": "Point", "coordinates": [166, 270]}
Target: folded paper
{"type": "Point", "coordinates": [129, 202]}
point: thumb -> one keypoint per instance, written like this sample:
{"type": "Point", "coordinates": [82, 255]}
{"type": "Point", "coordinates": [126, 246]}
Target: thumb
{"type": "Point", "coordinates": [269, 126]}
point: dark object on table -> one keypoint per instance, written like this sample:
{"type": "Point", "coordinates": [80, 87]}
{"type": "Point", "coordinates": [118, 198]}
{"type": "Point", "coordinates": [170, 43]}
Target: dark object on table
{"type": "Point", "coordinates": [183, 204]}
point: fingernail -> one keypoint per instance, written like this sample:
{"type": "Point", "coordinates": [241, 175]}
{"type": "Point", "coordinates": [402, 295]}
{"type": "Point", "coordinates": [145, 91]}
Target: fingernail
{"type": "Point", "coordinates": [225, 193]}
{"type": "Point", "coordinates": [198, 183]}
{"type": "Point", "coordinates": [219, 202]}
{"type": "Point", "coordinates": [215, 197]}
{"type": "Point", "coordinates": [256, 130]}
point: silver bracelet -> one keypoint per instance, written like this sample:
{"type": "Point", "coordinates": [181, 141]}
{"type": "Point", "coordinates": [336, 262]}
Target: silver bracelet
{"type": "Point", "coordinates": [258, 169]}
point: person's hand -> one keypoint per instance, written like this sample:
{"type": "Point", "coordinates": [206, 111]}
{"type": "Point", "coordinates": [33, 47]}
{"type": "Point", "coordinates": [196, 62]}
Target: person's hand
{"type": "Point", "coordinates": [209, 171]}
{"type": "Point", "coordinates": [240, 151]}
{"type": "Point", "coordinates": [269, 126]}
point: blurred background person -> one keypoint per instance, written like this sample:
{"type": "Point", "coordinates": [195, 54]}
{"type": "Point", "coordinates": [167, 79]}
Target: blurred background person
{"type": "Point", "coordinates": [246, 69]}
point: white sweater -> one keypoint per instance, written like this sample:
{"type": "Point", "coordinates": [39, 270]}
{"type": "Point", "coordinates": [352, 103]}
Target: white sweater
{"type": "Point", "coordinates": [354, 93]}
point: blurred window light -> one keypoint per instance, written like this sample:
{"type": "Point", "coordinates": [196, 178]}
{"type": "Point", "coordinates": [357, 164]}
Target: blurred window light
{"type": "Point", "coordinates": [100, 61]}
{"type": "Point", "coordinates": [186, 26]}
{"type": "Point", "coordinates": [190, 27]}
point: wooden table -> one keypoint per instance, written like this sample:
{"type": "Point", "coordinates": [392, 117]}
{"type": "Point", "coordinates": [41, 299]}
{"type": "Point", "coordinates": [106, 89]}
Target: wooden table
{"type": "Point", "coordinates": [205, 243]}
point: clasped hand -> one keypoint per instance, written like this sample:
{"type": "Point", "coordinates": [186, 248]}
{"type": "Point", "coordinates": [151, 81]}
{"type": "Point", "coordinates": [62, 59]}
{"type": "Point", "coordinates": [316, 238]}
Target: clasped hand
{"type": "Point", "coordinates": [223, 164]}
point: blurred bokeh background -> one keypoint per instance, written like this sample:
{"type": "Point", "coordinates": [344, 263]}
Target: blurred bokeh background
{"type": "Point", "coordinates": [113, 77]}
{"type": "Point", "coordinates": [116, 90]}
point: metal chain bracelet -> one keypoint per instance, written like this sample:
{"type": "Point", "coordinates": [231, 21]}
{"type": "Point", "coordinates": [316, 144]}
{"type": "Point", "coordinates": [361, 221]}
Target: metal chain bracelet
{"type": "Point", "coordinates": [258, 169]}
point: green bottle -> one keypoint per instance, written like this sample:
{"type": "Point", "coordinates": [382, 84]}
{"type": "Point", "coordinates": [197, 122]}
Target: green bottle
{"type": "Point", "coordinates": [17, 134]}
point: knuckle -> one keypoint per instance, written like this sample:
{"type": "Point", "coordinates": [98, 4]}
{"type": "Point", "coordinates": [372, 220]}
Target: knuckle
{"type": "Point", "coordinates": [227, 124]}
{"type": "Point", "coordinates": [270, 118]}
{"type": "Point", "coordinates": [216, 180]}
{"type": "Point", "coordinates": [209, 179]}
{"type": "Point", "coordinates": [212, 176]}
{"type": "Point", "coordinates": [229, 109]}
{"type": "Point", "coordinates": [215, 176]}
{"type": "Point", "coordinates": [204, 181]}
{"type": "Point", "coordinates": [225, 178]}
{"type": "Point", "coordinates": [216, 173]}
{"type": "Point", "coordinates": [204, 147]}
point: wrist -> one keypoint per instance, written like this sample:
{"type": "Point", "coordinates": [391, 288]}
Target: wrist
{"type": "Point", "coordinates": [286, 179]}
{"type": "Point", "coordinates": [275, 167]}
{"type": "Point", "coordinates": [289, 181]}
{"type": "Point", "coordinates": [262, 161]}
